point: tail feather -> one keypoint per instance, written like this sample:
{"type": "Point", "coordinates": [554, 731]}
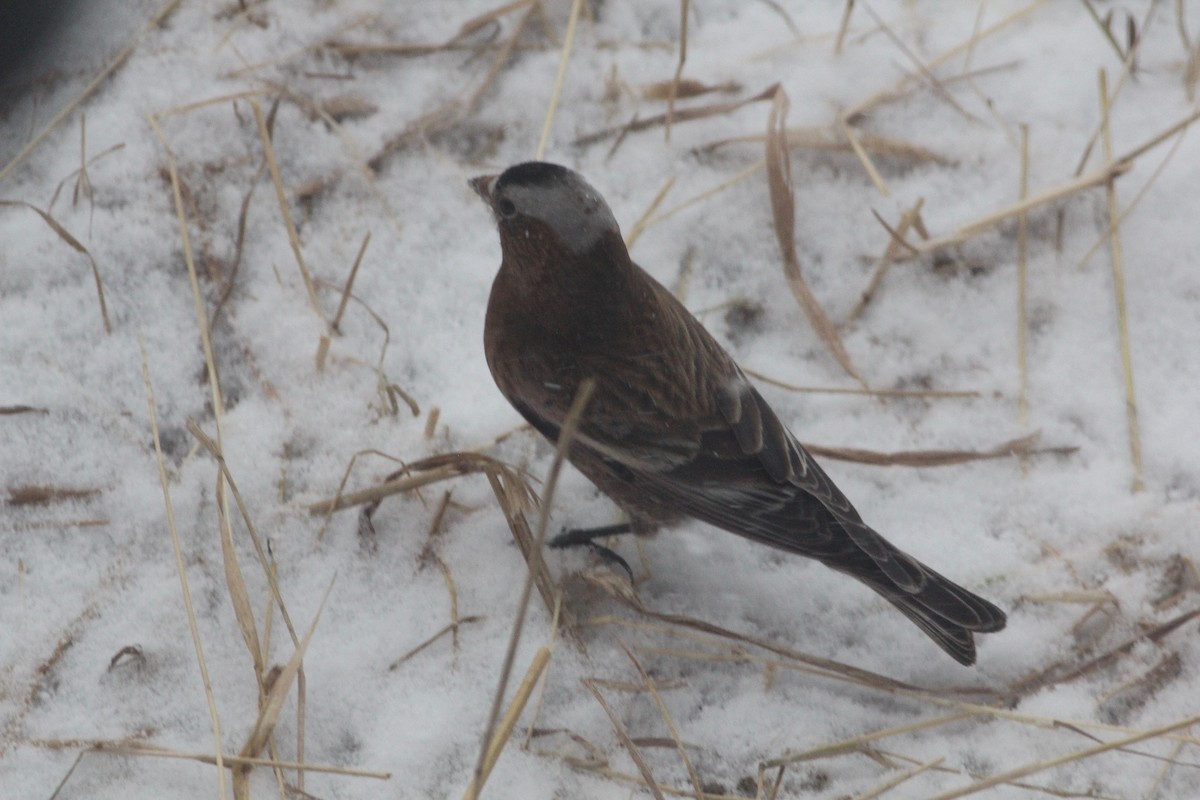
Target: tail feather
{"type": "Point", "coordinates": [945, 611]}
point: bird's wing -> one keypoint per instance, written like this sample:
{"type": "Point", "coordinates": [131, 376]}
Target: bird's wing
{"type": "Point", "coordinates": [743, 471]}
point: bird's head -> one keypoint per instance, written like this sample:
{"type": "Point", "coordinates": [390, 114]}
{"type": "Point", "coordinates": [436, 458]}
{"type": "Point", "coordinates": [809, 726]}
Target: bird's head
{"type": "Point", "coordinates": [539, 198]}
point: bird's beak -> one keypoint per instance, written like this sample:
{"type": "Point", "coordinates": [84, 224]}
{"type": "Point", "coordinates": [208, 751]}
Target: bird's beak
{"type": "Point", "coordinates": [482, 185]}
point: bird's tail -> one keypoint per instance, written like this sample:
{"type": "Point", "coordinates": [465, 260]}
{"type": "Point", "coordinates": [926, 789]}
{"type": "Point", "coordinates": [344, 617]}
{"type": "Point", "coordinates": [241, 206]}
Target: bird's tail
{"type": "Point", "coordinates": [948, 613]}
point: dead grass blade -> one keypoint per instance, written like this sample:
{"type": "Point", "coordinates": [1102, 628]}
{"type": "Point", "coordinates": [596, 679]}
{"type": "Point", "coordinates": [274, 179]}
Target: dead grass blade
{"type": "Point", "coordinates": [239, 595]}
{"type": "Point", "coordinates": [679, 115]}
{"type": "Point", "coordinates": [448, 115]}
{"type": "Point", "coordinates": [1021, 447]}
{"type": "Point", "coordinates": [564, 58]}
{"type": "Point", "coordinates": [895, 241]}
{"type": "Point", "coordinates": [183, 581]}
{"type": "Point", "coordinates": [218, 400]}
{"type": "Point", "coordinates": [685, 88]}
{"type": "Point", "coordinates": [433, 470]}
{"type": "Point", "coordinates": [924, 394]}
{"type": "Point", "coordinates": [1156, 634]}
{"type": "Point", "coordinates": [865, 159]}
{"type": "Point", "coordinates": [900, 88]}
{"type": "Point", "coordinates": [152, 751]}
{"type": "Point", "coordinates": [22, 409]}
{"type": "Point", "coordinates": [284, 210]}
{"type": "Point", "coordinates": [843, 28]}
{"type": "Point", "coordinates": [639, 227]}
{"type": "Point", "coordinates": [895, 781]}
{"type": "Point", "coordinates": [269, 714]}
{"type": "Point", "coordinates": [923, 69]}
{"type": "Point", "coordinates": [832, 138]}
{"type": "Point", "coordinates": [857, 743]}
{"type": "Point", "coordinates": [1022, 287]}
{"type": "Point", "coordinates": [1078, 755]}
{"type": "Point", "coordinates": [676, 740]}
{"type": "Point", "coordinates": [509, 721]}
{"type": "Point", "coordinates": [1044, 197]}
{"type": "Point", "coordinates": [626, 742]}
{"type": "Point", "coordinates": [673, 88]}
{"type": "Point", "coordinates": [783, 209]}
{"type": "Point", "coordinates": [38, 495]}
{"type": "Point", "coordinates": [76, 245]}
{"type": "Point", "coordinates": [534, 561]}
{"type": "Point", "coordinates": [1118, 269]}
{"type": "Point", "coordinates": [341, 309]}
{"type": "Point", "coordinates": [451, 628]}
{"type": "Point", "coordinates": [87, 91]}
{"type": "Point", "coordinates": [237, 586]}
{"type": "Point", "coordinates": [821, 666]}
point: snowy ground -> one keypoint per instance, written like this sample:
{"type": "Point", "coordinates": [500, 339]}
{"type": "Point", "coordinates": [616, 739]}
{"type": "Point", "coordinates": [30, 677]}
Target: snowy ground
{"type": "Point", "coordinates": [95, 647]}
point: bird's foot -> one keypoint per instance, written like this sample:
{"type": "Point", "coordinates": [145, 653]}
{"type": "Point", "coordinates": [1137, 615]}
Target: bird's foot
{"type": "Point", "coordinates": [576, 537]}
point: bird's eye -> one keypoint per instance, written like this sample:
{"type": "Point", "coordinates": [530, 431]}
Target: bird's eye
{"type": "Point", "coordinates": [506, 208]}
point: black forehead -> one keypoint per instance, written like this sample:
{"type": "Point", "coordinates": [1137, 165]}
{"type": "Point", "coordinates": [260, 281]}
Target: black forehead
{"type": "Point", "coordinates": [533, 174]}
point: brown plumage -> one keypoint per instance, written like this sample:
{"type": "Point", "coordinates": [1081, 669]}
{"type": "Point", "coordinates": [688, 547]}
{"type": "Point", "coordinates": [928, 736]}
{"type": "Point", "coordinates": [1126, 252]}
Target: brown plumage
{"type": "Point", "coordinates": [674, 429]}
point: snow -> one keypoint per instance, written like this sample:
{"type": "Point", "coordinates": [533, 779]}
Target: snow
{"type": "Point", "coordinates": [1048, 539]}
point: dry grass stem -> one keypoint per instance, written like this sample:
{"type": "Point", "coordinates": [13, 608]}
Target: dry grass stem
{"type": "Point", "coordinates": [678, 624]}
{"type": "Point", "coordinates": [453, 112]}
{"type": "Point", "coordinates": [685, 88]}
{"type": "Point", "coordinates": [675, 740]}
{"type": "Point", "coordinates": [1155, 634]}
{"type": "Point", "coordinates": [135, 749]}
{"type": "Point", "coordinates": [1153, 791]}
{"type": "Point", "coordinates": [898, 90]}
{"type": "Point", "coordinates": [1118, 269]}
{"type": "Point", "coordinates": [92, 86]}
{"type": "Point", "coordinates": [857, 743]}
{"type": "Point", "coordinates": [895, 240]}
{"type": "Point", "coordinates": [1021, 447]}
{"type": "Point", "coordinates": [1078, 755]}
{"type": "Point", "coordinates": [36, 495]}
{"type": "Point", "coordinates": [269, 713]}
{"type": "Point", "coordinates": [424, 472]}
{"type": "Point", "coordinates": [76, 245]}
{"type": "Point", "coordinates": [240, 597]}
{"type": "Point", "coordinates": [737, 178]}
{"type": "Point", "coordinates": [927, 394]}
{"type": "Point", "coordinates": [843, 28]}
{"type": "Point", "coordinates": [1022, 284]}
{"type": "Point", "coordinates": [533, 555]}
{"type": "Point", "coordinates": [1105, 237]}
{"type": "Point", "coordinates": [451, 628]}
{"type": "Point", "coordinates": [679, 115]}
{"type": "Point", "coordinates": [182, 572]}
{"type": "Point", "coordinates": [564, 59]}
{"type": "Point", "coordinates": [284, 209]}
{"type": "Point", "coordinates": [218, 401]}
{"type": "Point", "coordinates": [832, 138]}
{"type": "Point", "coordinates": [623, 736]}
{"type": "Point", "coordinates": [341, 309]}
{"type": "Point", "coordinates": [640, 226]}
{"type": "Point", "coordinates": [503, 730]}
{"type": "Point", "coordinates": [892, 783]}
{"type": "Point", "coordinates": [924, 70]}
{"type": "Point", "coordinates": [863, 158]}
{"type": "Point", "coordinates": [673, 88]}
{"type": "Point", "coordinates": [214, 449]}
{"type": "Point", "coordinates": [783, 211]}
{"type": "Point", "coordinates": [1031, 202]}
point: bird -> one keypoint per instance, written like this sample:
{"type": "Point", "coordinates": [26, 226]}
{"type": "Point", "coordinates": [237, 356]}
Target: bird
{"type": "Point", "coordinates": [673, 428]}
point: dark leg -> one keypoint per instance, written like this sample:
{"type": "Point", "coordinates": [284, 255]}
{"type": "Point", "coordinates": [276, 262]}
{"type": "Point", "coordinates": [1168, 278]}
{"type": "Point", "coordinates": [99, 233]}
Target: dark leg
{"type": "Point", "coordinates": [577, 536]}
{"type": "Point", "coordinates": [587, 536]}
